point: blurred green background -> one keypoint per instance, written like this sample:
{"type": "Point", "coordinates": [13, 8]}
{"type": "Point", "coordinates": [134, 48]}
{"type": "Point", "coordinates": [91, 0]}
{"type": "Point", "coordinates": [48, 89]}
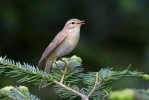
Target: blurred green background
{"type": "Point", "coordinates": [116, 34]}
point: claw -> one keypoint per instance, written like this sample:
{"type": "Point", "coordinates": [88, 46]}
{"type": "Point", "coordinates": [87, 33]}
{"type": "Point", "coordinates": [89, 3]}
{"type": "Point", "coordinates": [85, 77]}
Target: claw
{"type": "Point", "coordinates": [63, 72]}
{"type": "Point", "coordinates": [67, 65]}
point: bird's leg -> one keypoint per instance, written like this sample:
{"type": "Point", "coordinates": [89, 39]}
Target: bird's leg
{"type": "Point", "coordinates": [60, 68]}
{"type": "Point", "coordinates": [68, 65]}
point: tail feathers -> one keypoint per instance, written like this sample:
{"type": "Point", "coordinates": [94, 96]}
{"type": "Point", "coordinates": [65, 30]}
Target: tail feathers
{"type": "Point", "coordinates": [48, 66]}
{"type": "Point", "coordinates": [41, 61]}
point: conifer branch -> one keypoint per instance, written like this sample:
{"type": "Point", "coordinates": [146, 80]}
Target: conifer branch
{"type": "Point", "coordinates": [72, 90]}
{"type": "Point", "coordinates": [96, 83]}
{"type": "Point", "coordinates": [62, 79]}
{"type": "Point", "coordinates": [65, 82]}
{"type": "Point", "coordinates": [16, 93]}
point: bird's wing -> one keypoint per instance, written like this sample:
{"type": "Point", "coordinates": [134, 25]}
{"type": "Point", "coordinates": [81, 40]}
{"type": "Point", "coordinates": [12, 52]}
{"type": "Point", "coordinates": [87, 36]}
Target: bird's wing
{"type": "Point", "coordinates": [56, 41]}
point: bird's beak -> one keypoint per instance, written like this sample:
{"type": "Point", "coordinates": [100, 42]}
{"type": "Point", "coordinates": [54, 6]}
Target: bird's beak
{"type": "Point", "coordinates": [81, 22]}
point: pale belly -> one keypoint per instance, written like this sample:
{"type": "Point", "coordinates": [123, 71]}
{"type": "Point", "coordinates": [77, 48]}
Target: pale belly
{"type": "Point", "coordinates": [65, 47]}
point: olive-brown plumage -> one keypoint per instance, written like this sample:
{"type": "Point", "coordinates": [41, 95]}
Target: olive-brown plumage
{"type": "Point", "coordinates": [63, 43]}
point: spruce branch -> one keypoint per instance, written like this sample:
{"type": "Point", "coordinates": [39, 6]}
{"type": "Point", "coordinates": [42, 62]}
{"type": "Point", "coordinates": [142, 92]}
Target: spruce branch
{"type": "Point", "coordinates": [71, 89]}
{"type": "Point", "coordinates": [63, 76]}
{"type": "Point", "coordinates": [34, 75]}
{"type": "Point", "coordinates": [65, 83]}
{"type": "Point", "coordinates": [13, 69]}
{"type": "Point", "coordinates": [16, 93]}
{"type": "Point", "coordinates": [96, 83]}
{"type": "Point", "coordinates": [105, 76]}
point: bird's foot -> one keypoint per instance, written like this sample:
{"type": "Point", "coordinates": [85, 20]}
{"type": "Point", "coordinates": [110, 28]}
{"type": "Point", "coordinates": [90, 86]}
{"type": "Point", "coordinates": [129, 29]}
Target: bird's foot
{"type": "Point", "coordinates": [67, 65]}
{"type": "Point", "coordinates": [63, 72]}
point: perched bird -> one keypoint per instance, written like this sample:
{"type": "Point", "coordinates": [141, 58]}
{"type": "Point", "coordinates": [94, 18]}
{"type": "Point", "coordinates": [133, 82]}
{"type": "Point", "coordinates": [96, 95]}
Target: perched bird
{"type": "Point", "coordinates": [63, 43]}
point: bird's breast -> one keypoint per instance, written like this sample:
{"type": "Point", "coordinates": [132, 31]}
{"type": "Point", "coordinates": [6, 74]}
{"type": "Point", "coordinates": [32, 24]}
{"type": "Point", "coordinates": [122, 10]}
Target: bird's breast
{"type": "Point", "coordinates": [72, 38]}
{"type": "Point", "coordinates": [68, 44]}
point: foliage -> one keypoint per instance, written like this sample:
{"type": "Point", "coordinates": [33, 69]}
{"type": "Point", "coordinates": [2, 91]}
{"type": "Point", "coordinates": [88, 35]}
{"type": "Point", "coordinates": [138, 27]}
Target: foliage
{"type": "Point", "coordinates": [97, 83]}
{"type": "Point", "coordinates": [129, 94]}
{"type": "Point", "coordinates": [16, 93]}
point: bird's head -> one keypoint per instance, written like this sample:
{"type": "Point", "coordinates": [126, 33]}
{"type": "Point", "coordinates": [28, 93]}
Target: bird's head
{"type": "Point", "coordinates": [74, 23]}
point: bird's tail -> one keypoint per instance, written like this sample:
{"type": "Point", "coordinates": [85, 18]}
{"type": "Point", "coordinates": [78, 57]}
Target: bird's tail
{"type": "Point", "coordinates": [48, 66]}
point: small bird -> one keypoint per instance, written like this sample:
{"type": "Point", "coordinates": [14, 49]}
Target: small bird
{"type": "Point", "coordinates": [63, 43]}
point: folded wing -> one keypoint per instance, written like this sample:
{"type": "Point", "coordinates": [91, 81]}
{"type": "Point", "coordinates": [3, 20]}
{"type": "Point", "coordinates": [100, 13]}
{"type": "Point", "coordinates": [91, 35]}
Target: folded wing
{"type": "Point", "coordinates": [56, 41]}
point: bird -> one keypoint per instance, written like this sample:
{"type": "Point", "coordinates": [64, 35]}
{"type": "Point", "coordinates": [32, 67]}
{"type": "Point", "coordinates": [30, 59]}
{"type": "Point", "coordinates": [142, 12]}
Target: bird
{"type": "Point", "coordinates": [63, 43]}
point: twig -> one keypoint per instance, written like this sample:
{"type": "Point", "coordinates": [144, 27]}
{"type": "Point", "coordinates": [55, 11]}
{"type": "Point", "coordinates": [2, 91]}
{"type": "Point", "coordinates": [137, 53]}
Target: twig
{"type": "Point", "coordinates": [74, 91]}
{"type": "Point", "coordinates": [62, 79]}
{"type": "Point", "coordinates": [106, 93]}
{"type": "Point", "coordinates": [20, 93]}
{"type": "Point", "coordinates": [96, 83]}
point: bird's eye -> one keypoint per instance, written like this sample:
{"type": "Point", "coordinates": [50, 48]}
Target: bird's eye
{"type": "Point", "coordinates": [72, 22]}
